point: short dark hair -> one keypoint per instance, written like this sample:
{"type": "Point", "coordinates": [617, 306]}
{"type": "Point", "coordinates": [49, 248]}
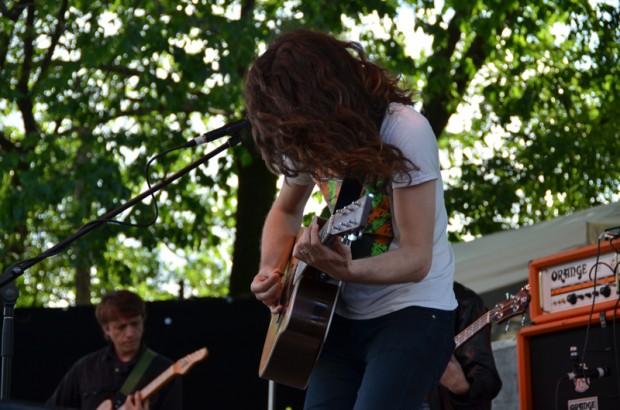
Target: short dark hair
{"type": "Point", "coordinates": [119, 304]}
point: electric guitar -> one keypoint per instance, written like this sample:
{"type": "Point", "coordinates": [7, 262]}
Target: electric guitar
{"type": "Point", "coordinates": [515, 305]}
{"type": "Point", "coordinates": [295, 335]}
{"type": "Point", "coordinates": [180, 367]}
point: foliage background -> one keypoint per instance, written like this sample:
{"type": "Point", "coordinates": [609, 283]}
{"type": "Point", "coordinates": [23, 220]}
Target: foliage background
{"type": "Point", "coordinates": [523, 96]}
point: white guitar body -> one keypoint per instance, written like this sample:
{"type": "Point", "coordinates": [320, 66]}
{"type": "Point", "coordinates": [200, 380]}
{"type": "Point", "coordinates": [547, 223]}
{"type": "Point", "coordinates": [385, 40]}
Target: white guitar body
{"type": "Point", "coordinates": [107, 405]}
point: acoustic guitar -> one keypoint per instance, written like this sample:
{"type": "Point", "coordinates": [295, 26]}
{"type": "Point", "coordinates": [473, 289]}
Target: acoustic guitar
{"type": "Point", "coordinates": [180, 367]}
{"type": "Point", "coordinates": [295, 335]}
{"type": "Point", "coordinates": [513, 306]}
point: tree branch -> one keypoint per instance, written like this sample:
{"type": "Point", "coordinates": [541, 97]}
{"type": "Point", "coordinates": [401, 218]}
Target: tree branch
{"type": "Point", "coordinates": [440, 107]}
{"type": "Point", "coordinates": [247, 8]}
{"type": "Point", "coordinates": [5, 40]}
{"type": "Point", "coordinates": [24, 101]}
{"type": "Point", "coordinates": [6, 144]}
{"type": "Point", "coordinates": [17, 9]}
{"type": "Point", "coordinates": [60, 22]}
{"type": "Point", "coordinates": [436, 107]}
{"type": "Point", "coordinates": [118, 69]}
{"type": "Point", "coordinates": [162, 109]}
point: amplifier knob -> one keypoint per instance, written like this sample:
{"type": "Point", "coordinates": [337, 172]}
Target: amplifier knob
{"type": "Point", "coordinates": [572, 298]}
{"type": "Point", "coordinates": [606, 291]}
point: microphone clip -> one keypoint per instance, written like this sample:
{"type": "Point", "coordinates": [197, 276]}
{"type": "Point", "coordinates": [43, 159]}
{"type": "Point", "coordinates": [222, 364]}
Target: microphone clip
{"type": "Point", "coordinates": [581, 373]}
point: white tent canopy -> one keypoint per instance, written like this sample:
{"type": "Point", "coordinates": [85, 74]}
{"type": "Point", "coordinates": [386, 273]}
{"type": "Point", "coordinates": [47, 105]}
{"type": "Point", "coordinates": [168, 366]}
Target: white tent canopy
{"type": "Point", "coordinates": [501, 259]}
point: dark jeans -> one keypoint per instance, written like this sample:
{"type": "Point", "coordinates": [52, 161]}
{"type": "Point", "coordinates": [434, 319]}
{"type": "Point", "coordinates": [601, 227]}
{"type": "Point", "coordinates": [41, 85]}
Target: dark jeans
{"type": "Point", "coordinates": [386, 363]}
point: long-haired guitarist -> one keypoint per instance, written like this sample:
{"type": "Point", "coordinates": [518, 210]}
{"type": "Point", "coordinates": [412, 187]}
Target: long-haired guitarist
{"type": "Point", "coordinates": [122, 367]}
{"type": "Point", "coordinates": [322, 112]}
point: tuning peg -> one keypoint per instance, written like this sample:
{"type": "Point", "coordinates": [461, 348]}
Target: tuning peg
{"type": "Point", "coordinates": [508, 295]}
{"type": "Point", "coordinates": [523, 320]}
{"type": "Point", "coordinates": [507, 326]}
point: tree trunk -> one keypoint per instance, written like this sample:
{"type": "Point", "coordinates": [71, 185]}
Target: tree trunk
{"type": "Point", "coordinates": [82, 261]}
{"type": "Point", "coordinates": [257, 189]}
{"type": "Point", "coordinates": [82, 278]}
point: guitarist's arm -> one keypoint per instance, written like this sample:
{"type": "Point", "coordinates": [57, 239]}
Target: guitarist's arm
{"type": "Point", "coordinates": [414, 213]}
{"type": "Point", "coordinates": [279, 233]}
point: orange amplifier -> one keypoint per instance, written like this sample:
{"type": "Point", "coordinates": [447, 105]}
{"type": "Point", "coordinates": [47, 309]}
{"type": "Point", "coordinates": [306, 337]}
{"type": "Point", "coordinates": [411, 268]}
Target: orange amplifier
{"type": "Point", "coordinates": [563, 285]}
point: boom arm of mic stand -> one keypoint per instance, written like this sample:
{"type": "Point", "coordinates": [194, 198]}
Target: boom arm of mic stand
{"type": "Point", "coordinates": [9, 291]}
{"type": "Point", "coordinates": [18, 269]}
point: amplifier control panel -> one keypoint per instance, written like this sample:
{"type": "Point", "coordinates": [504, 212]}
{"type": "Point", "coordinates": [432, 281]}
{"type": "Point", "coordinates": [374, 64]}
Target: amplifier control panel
{"type": "Point", "coordinates": [579, 283]}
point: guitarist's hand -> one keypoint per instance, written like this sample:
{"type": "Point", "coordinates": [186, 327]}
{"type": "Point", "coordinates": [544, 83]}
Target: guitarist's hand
{"type": "Point", "coordinates": [335, 261]}
{"type": "Point", "coordinates": [267, 287]}
{"type": "Point", "coordinates": [453, 378]}
{"type": "Point", "coordinates": [134, 402]}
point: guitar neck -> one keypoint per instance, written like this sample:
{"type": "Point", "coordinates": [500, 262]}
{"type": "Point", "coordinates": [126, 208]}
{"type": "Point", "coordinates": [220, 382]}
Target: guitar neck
{"type": "Point", "coordinates": [472, 329]}
{"type": "Point", "coordinates": [324, 235]}
{"type": "Point", "coordinates": [157, 383]}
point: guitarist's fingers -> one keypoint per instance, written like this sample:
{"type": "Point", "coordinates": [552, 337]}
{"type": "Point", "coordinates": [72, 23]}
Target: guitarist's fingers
{"type": "Point", "coordinates": [263, 281]}
{"type": "Point", "coordinates": [271, 296]}
{"type": "Point", "coordinates": [267, 287]}
{"type": "Point", "coordinates": [133, 402]}
{"type": "Point", "coordinates": [303, 240]}
{"type": "Point", "coordinates": [302, 246]}
{"type": "Point", "coordinates": [313, 235]}
{"type": "Point", "coordinates": [342, 249]}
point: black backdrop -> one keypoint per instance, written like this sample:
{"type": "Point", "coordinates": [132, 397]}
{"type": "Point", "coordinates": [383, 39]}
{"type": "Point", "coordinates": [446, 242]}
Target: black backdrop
{"type": "Point", "coordinates": [48, 341]}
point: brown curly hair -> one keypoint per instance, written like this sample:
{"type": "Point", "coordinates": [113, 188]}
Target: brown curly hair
{"type": "Point", "coordinates": [316, 104]}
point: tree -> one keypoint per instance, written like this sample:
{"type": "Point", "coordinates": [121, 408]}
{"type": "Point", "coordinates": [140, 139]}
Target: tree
{"type": "Point", "coordinates": [541, 74]}
{"type": "Point", "coordinates": [101, 87]}
{"type": "Point", "coordinates": [91, 90]}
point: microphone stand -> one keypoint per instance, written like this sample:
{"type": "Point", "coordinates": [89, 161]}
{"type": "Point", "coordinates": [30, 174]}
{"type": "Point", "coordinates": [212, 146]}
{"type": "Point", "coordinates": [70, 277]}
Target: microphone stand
{"type": "Point", "coordinates": [8, 290]}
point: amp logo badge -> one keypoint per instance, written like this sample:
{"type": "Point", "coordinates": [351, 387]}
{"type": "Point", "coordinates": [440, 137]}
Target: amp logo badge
{"type": "Point", "coordinates": [585, 403]}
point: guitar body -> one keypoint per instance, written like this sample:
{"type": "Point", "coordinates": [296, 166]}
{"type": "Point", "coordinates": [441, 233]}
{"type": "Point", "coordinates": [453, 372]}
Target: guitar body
{"type": "Point", "coordinates": [296, 335]}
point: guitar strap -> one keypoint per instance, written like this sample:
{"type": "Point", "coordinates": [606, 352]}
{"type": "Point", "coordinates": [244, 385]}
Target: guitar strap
{"type": "Point", "coordinates": [134, 377]}
{"type": "Point", "coordinates": [350, 190]}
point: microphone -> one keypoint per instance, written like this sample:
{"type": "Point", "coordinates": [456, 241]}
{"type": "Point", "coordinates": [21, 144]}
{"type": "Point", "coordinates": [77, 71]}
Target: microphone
{"type": "Point", "coordinates": [229, 129]}
{"type": "Point", "coordinates": [581, 373]}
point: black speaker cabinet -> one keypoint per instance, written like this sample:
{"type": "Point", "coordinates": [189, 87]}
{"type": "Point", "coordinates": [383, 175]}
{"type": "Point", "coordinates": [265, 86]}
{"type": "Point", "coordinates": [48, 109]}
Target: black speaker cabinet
{"type": "Point", "coordinates": [545, 361]}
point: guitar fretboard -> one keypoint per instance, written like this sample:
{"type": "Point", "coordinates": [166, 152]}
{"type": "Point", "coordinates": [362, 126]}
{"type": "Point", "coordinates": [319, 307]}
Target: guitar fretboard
{"type": "Point", "coordinates": [472, 329]}
{"type": "Point", "coordinates": [158, 382]}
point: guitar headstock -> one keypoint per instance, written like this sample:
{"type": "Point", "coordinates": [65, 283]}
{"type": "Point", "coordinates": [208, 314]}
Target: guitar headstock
{"type": "Point", "coordinates": [515, 305]}
{"type": "Point", "coordinates": [350, 219]}
{"type": "Point", "coordinates": [185, 363]}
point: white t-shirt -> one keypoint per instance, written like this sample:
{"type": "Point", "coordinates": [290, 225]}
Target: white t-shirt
{"type": "Point", "coordinates": [408, 130]}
